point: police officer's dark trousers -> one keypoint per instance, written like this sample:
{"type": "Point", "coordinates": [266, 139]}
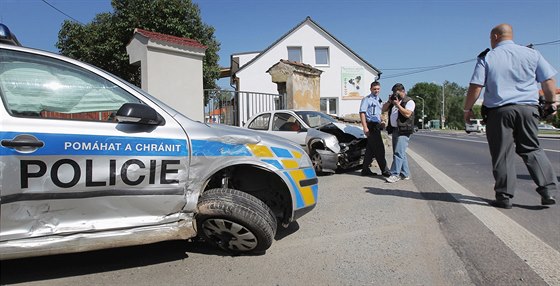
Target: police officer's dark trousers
{"type": "Point", "coordinates": [375, 148]}
{"type": "Point", "coordinates": [513, 129]}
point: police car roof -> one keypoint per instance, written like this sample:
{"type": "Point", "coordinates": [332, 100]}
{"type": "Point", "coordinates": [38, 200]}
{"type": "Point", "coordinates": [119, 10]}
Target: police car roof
{"type": "Point", "coordinates": [7, 37]}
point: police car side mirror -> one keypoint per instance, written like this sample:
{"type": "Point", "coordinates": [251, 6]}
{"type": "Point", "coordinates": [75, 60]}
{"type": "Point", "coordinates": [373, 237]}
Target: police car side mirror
{"type": "Point", "coordinates": [138, 113]}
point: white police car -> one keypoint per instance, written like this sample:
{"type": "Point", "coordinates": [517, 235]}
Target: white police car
{"type": "Point", "coordinates": [88, 161]}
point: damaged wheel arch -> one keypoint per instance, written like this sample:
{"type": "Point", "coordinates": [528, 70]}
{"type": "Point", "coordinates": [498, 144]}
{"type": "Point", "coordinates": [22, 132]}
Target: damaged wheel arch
{"type": "Point", "coordinates": [259, 182]}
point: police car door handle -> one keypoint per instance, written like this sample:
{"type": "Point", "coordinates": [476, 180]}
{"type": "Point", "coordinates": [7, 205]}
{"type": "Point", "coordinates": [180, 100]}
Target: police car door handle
{"type": "Point", "coordinates": [22, 141]}
{"type": "Point", "coordinates": [13, 143]}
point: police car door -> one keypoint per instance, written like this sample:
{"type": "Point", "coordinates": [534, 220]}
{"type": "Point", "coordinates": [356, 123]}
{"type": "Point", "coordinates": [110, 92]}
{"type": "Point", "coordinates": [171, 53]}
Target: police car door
{"type": "Point", "coordinates": [67, 166]}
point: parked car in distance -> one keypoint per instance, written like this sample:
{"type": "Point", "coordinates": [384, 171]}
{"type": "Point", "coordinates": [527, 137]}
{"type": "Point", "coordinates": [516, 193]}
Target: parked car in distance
{"type": "Point", "coordinates": [89, 161]}
{"type": "Point", "coordinates": [475, 125]}
{"type": "Point", "coordinates": [331, 145]}
{"type": "Point", "coordinates": [544, 126]}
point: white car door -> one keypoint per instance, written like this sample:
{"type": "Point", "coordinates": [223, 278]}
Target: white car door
{"type": "Point", "coordinates": [67, 166]}
{"type": "Point", "coordinates": [288, 126]}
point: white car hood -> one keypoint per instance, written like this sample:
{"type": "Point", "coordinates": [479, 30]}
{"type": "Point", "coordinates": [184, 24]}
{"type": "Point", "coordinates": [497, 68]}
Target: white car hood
{"type": "Point", "coordinates": [350, 129]}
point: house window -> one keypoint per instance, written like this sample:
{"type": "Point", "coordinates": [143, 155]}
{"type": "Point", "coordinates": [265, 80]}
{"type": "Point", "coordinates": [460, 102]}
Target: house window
{"type": "Point", "coordinates": [328, 105]}
{"type": "Point", "coordinates": [294, 54]}
{"type": "Point", "coordinates": [321, 56]}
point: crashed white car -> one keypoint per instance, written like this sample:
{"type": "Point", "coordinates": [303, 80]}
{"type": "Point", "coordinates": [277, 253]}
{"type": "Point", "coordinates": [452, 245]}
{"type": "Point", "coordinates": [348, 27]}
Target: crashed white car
{"type": "Point", "coordinates": [332, 145]}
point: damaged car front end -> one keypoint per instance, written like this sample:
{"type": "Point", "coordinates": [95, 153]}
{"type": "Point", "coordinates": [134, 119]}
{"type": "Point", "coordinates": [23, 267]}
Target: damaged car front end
{"type": "Point", "coordinates": [336, 146]}
{"type": "Point", "coordinates": [332, 145]}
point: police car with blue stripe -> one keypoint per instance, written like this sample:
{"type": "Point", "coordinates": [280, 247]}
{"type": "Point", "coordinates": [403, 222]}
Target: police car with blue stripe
{"type": "Point", "coordinates": [89, 161]}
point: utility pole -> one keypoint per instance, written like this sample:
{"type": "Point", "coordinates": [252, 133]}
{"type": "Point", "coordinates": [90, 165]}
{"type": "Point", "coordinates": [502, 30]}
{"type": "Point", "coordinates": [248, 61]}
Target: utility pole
{"type": "Point", "coordinates": [443, 105]}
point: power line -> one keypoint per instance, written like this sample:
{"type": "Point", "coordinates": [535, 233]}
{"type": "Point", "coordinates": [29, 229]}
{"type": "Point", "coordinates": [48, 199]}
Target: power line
{"type": "Point", "coordinates": [416, 70]}
{"type": "Point", "coordinates": [44, 1]}
{"type": "Point", "coordinates": [557, 42]}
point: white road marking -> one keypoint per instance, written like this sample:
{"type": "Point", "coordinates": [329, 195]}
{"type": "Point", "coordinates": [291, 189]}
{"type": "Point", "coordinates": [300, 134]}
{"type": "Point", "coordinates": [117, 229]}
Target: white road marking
{"type": "Point", "coordinates": [470, 140]}
{"type": "Point", "coordinates": [541, 257]}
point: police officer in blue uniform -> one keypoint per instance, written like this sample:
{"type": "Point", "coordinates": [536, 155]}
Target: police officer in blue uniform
{"type": "Point", "coordinates": [370, 117]}
{"type": "Point", "coordinates": [510, 74]}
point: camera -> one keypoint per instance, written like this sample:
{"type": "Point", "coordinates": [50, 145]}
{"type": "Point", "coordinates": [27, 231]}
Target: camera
{"type": "Point", "coordinates": [394, 96]}
{"type": "Point", "coordinates": [544, 113]}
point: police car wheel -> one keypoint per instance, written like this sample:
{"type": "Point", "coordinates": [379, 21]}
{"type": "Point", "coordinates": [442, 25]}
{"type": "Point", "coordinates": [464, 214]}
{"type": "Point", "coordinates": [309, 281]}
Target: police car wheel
{"type": "Point", "coordinates": [235, 221]}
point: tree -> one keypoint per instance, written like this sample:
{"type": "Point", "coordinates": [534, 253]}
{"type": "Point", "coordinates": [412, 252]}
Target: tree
{"type": "Point", "coordinates": [432, 94]}
{"type": "Point", "coordinates": [103, 41]}
{"type": "Point", "coordinates": [429, 92]}
{"type": "Point", "coordinates": [454, 103]}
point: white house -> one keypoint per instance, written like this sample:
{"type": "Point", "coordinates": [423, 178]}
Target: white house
{"type": "Point", "coordinates": [345, 77]}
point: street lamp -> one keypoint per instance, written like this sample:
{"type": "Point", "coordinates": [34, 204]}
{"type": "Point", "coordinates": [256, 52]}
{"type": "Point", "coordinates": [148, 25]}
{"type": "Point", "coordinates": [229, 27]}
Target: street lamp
{"type": "Point", "coordinates": [443, 105]}
{"type": "Point", "coordinates": [422, 110]}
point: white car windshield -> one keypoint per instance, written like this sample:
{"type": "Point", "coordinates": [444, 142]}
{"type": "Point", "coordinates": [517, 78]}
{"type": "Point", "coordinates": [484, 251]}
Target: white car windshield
{"type": "Point", "coordinates": [315, 119]}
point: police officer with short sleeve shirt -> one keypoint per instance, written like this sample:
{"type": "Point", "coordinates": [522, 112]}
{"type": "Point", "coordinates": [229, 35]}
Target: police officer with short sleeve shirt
{"type": "Point", "coordinates": [509, 73]}
{"type": "Point", "coordinates": [370, 117]}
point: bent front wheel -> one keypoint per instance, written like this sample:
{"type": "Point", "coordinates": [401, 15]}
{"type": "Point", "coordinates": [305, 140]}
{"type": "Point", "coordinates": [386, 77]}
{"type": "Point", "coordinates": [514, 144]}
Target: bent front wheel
{"type": "Point", "coordinates": [235, 221]}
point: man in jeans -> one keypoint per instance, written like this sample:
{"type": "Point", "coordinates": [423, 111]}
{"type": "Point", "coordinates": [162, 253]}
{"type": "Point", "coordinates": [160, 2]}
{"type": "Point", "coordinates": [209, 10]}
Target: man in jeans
{"type": "Point", "coordinates": [401, 126]}
{"type": "Point", "coordinates": [370, 116]}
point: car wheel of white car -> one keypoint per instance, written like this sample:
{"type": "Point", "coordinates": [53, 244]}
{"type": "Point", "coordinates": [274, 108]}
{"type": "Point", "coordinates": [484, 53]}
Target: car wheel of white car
{"type": "Point", "coordinates": [235, 221]}
{"type": "Point", "coordinates": [316, 161]}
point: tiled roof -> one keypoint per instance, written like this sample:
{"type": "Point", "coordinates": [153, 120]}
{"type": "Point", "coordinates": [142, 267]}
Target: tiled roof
{"type": "Point", "coordinates": [170, 39]}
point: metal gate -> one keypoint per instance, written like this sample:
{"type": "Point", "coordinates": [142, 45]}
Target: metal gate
{"type": "Point", "coordinates": [236, 107]}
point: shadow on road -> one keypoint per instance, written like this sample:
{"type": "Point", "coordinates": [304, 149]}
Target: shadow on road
{"type": "Point", "coordinates": [444, 197]}
{"type": "Point", "coordinates": [67, 265]}
{"type": "Point", "coordinates": [76, 264]}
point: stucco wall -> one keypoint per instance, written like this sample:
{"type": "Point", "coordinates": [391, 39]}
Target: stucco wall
{"type": "Point", "coordinates": [171, 73]}
{"type": "Point", "coordinates": [177, 81]}
{"type": "Point", "coordinates": [305, 91]}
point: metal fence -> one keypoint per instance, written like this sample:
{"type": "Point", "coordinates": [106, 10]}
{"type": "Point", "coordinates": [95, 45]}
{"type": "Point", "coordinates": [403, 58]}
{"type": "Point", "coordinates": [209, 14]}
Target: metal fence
{"type": "Point", "coordinates": [236, 107]}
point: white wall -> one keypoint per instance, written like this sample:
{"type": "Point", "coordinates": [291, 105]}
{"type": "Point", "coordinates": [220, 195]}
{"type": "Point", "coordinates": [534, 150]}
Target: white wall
{"type": "Point", "coordinates": [255, 78]}
{"type": "Point", "coordinates": [171, 73]}
{"type": "Point", "coordinates": [177, 81]}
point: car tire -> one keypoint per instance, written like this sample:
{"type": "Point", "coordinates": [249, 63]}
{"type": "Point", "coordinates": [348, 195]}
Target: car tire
{"type": "Point", "coordinates": [316, 161]}
{"type": "Point", "coordinates": [235, 221]}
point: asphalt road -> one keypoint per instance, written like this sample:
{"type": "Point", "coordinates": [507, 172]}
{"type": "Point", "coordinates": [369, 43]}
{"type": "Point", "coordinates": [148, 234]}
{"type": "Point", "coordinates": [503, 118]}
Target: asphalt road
{"type": "Point", "coordinates": [499, 247]}
{"type": "Point", "coordinates": [466, 159]}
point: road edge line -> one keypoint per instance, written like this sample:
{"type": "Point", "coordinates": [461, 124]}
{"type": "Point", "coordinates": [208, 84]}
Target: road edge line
{"type": "Point", "coordinates": [541, 257]}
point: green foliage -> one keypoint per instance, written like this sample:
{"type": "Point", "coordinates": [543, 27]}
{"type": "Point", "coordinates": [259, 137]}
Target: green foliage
{"type": "Point", "coordinates": [432, 95]}
{"type": "Point", "coordinates": [103, 41]}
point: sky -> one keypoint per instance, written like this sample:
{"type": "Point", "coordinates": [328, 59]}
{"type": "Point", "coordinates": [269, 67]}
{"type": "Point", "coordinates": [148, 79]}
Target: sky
{"type": "Point", "coordinates": [406, 39]}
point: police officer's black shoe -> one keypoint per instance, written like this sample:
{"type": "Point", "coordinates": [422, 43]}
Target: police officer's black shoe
{"type": "Point", "coordinates": [501, 201]}
{"type": "Point", "coordinates": [386, 174]}
{"type": "Point", "coordinates": [548, 200]}
{"type": "Point", "coordinates": [504, 204]}
{"type": "Point", "coordinates": [367, 172]}
{"type": "Point", "coordinates": [546, 197]}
